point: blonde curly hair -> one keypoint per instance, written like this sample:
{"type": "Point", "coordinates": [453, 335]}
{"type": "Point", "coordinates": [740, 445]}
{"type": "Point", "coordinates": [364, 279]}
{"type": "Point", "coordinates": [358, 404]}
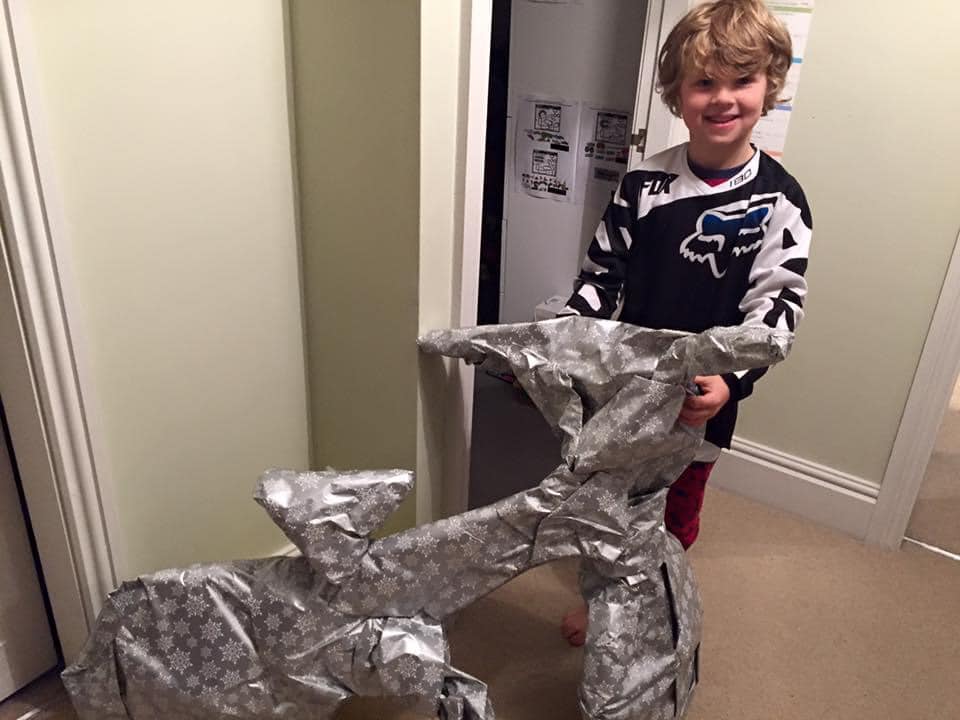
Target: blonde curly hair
{"type": "Point", "coordinates": [725, 37]}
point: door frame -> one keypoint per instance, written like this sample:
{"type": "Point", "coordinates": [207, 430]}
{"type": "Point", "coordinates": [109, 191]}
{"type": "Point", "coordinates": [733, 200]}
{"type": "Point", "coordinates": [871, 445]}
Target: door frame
{"type": "Point", "coordinates": [651, 117]}
{"type": "Point", "coordinates": [41, 378]}
{"type": "Point", "coordinates": [658, 122]}
{"type": "Point", "coordinates": [474, 79]}
{"type": "Point", "coordinates": [923, 413]}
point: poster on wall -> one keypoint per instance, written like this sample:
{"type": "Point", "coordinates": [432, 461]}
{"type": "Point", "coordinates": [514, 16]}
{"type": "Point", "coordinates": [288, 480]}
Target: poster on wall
{"type": "Point", "coordinates": [601, 153]}
{"type": "Point", "coordinates": [770, 134]}
{"type": "Point", "coordinates": [547, 130]}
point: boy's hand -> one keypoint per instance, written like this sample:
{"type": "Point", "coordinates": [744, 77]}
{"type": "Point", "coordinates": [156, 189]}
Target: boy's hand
{"type": "Point", "coordinates": [697, 409]}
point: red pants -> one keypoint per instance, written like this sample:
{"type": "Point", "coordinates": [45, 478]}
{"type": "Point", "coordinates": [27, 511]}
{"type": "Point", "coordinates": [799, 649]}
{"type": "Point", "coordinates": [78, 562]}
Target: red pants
{"type": "Point", "coordinates": [684, 502]}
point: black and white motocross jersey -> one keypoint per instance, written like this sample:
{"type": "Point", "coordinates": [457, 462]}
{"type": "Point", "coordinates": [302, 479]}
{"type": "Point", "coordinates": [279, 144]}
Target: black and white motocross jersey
{"type": "Point", "coordinates": [674, 252]}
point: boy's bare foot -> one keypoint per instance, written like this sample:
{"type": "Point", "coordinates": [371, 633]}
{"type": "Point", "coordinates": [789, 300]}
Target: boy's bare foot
{"type": "Point", "coordinates": [574, 626]}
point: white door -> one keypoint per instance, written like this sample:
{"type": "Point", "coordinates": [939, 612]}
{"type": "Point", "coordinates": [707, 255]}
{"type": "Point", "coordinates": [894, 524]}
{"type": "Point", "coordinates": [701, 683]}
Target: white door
{"type": "Point", "coordinates": [26, 645]}
{"type": "Point", "coordinates": [654, 127]}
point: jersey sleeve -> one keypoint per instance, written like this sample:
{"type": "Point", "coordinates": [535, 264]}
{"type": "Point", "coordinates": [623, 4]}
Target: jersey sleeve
{"type": "Point", "coordinates": [598, 289]}
{"type": "Point", "coordinates": [777, 284]}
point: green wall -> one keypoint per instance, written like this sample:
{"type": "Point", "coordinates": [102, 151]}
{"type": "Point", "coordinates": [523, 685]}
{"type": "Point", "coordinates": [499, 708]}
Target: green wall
{"type": "Point", "coordinates": [169, 172]}
{"type": "Point", "coordinates": [356, 79]}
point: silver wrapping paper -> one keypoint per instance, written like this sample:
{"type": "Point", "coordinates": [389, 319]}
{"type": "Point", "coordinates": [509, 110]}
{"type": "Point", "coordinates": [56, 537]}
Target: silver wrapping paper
{"type": "Point", "coordinates": [296, 637]}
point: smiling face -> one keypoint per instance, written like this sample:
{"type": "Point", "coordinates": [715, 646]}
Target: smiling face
{"type": "Point", "coordinates": [720, 110]}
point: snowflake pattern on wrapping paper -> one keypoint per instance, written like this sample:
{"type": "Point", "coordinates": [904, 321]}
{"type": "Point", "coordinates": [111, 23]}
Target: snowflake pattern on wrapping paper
{"type": "Point", "coordinates": [361, 616]}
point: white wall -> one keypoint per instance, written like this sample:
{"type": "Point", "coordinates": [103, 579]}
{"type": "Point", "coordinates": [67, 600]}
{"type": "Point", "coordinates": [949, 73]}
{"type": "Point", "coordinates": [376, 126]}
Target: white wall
{"type": "Point", "coordinates": [165, 143]}
{"type": "Point", "coordinates": [589, 52]}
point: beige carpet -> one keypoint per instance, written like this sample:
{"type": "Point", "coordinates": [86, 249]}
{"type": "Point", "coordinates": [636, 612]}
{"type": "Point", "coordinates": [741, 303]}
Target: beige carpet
{"type": "Point", "coordinates": [801, 624]}
{"type": "Point", "coordinates": [805, 623]}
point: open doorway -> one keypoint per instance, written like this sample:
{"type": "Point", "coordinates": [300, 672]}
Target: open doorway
{"type": "Point", "coordinates": [584, 60]}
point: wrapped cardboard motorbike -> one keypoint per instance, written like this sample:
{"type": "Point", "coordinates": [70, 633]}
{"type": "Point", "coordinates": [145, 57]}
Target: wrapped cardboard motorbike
{"type": "Point", "coordinates": [296, 637]}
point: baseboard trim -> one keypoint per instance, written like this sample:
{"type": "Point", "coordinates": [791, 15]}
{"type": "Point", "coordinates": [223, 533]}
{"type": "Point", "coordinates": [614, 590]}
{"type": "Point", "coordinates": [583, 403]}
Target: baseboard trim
{"type": "Point", "coordinates": [825, 495]}
{"type": "Point", "coordinates": [823, 473]}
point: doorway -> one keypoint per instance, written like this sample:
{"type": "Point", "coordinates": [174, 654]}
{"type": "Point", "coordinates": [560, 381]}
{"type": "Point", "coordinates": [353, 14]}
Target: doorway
{"type": "Point", "coordinates": [585, 60]}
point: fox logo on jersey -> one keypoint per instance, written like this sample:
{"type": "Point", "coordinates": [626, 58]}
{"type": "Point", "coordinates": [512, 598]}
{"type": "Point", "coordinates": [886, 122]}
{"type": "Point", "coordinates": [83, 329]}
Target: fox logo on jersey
{"type": "Point", "coordinates": [728, 231]}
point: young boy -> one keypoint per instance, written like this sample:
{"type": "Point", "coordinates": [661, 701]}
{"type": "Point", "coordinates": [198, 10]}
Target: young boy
{"type": "Point", "coordinates": [711, 232]}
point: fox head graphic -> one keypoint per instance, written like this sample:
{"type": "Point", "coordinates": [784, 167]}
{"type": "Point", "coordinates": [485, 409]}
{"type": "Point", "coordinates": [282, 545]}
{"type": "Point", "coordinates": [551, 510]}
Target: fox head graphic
{"type": "Point", "coordinates": [725, 232]}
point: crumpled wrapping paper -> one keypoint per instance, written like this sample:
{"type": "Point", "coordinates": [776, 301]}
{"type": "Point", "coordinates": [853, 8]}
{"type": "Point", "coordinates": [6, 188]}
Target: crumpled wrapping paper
{"type": "Point", "coordinates": [296, 637]}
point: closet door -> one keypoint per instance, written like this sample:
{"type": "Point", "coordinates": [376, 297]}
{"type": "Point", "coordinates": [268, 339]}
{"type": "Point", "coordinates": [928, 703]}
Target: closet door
{"type": "Point", "coordinates": [26, 644]}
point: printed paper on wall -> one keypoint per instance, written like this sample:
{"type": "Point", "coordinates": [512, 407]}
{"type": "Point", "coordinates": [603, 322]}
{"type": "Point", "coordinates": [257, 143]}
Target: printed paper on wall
{"type": "Point", "coordinates": [770, 134]}
{"type": "Point", "coordinates": [547, 131]}
{"type": "Point", "coordinates": [602, 153]}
